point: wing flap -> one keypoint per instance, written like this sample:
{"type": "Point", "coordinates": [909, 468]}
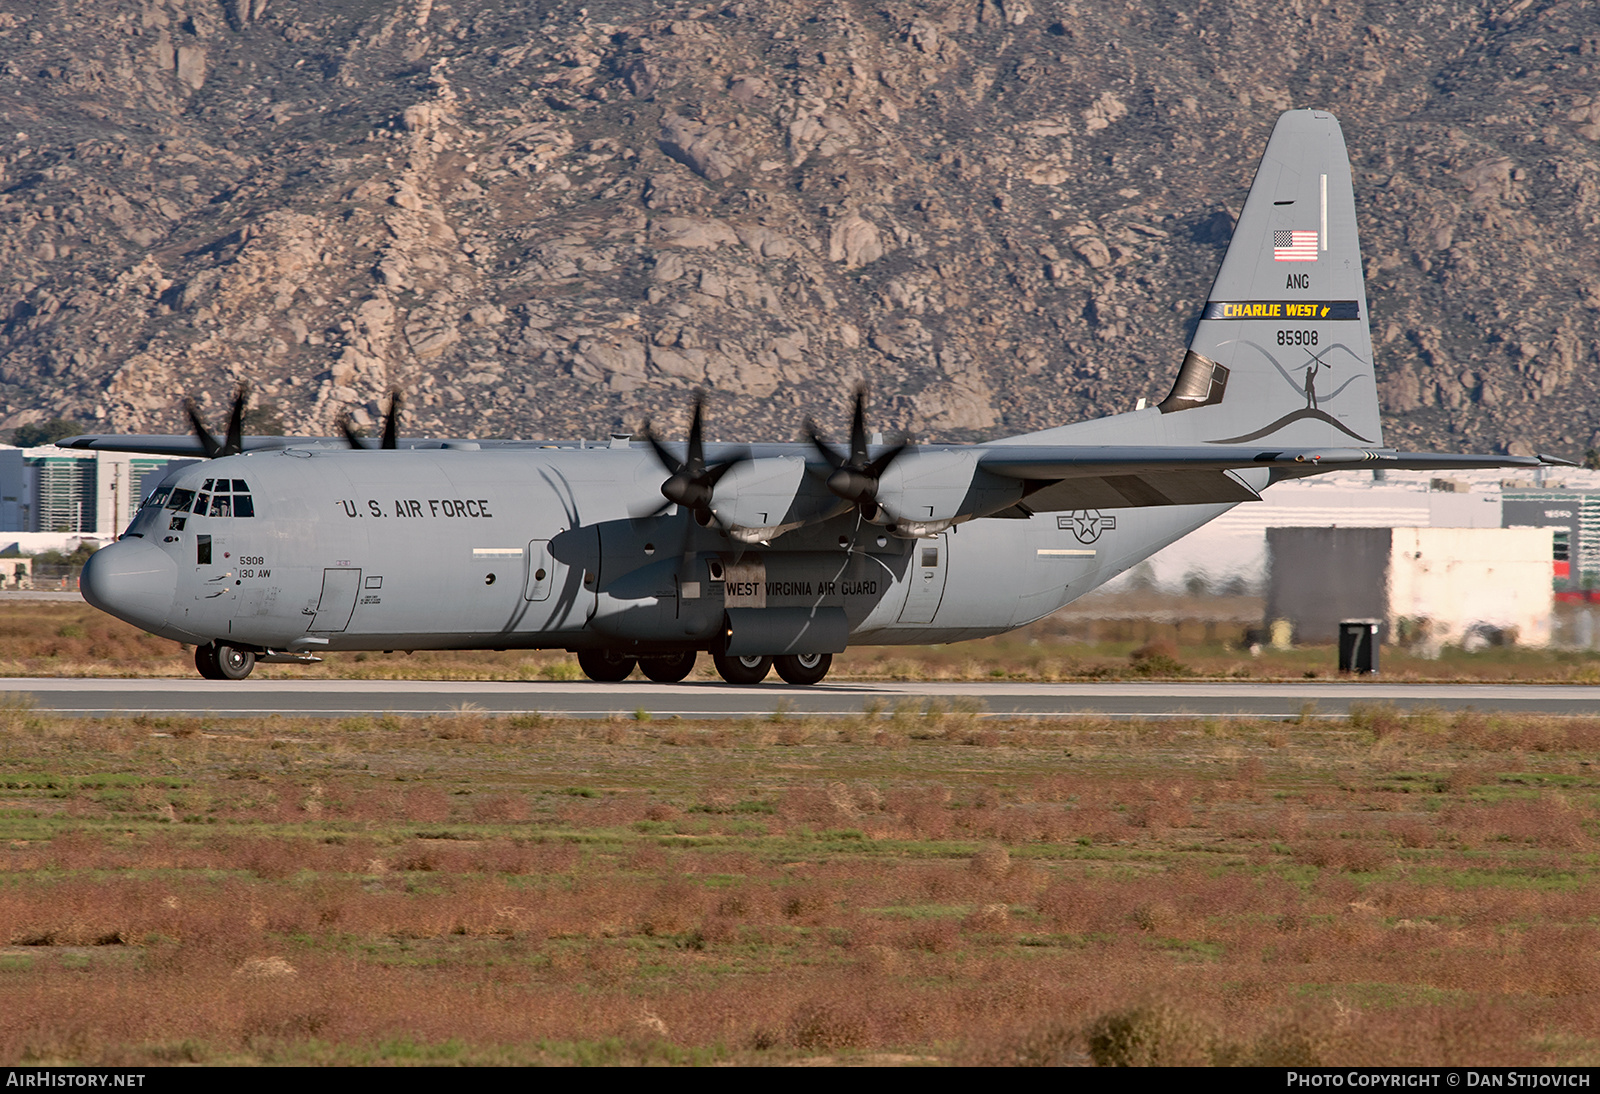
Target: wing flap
{"type": "Point", "coordinates": [1137, 491]}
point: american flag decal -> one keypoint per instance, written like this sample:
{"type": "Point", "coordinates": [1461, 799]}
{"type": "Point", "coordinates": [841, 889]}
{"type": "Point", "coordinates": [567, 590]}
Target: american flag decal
{"type": "Point", "coordinates": [1294, 246]}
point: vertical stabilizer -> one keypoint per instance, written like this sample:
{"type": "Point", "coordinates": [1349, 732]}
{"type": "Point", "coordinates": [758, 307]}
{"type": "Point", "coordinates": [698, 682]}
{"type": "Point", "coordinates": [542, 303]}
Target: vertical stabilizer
{"type": "Point", "coordinates": [1283, 353]}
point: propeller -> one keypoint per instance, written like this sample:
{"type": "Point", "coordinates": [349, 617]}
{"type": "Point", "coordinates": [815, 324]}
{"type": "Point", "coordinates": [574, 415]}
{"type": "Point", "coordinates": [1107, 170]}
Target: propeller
{"type": "Point", "coordinates": [391, 425]}
{"type": "Point", "coordinates": [692, 482]}
{"type": "Point", "coordinates": [855, 474]}
{"type": "Point", "coordinates": [233, 442]}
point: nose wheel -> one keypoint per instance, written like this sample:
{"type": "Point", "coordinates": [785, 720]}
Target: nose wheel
{"type": "Point", "coordinates": [219, 661]}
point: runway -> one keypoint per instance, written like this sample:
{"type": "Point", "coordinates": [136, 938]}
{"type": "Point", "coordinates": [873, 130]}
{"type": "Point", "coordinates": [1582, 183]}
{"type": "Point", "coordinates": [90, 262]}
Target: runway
{"type": "Point", "coordinates": [1120, 699]}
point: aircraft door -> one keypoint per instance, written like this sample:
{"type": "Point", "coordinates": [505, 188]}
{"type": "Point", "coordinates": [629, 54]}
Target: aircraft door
{"type": "Point", "coordinates": [925, 580]}
{"type": "Point", "coordinates": [339, 591]}
{"type": "Point", "coordinates": [540, 567]}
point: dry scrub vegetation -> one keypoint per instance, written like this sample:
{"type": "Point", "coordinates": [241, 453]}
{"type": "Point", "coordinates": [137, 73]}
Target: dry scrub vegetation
{"type": "Point", "coordinates": [915, 885]}
{"type": "Point", "coordinates": [42, 638]}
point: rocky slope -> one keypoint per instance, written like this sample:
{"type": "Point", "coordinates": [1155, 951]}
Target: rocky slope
{"type": "Point", "coordinates": [553, 220]}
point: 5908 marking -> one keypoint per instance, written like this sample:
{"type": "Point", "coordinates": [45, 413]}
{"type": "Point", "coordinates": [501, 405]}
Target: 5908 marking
{"type": "Point", "coordinates": [1297, 338]}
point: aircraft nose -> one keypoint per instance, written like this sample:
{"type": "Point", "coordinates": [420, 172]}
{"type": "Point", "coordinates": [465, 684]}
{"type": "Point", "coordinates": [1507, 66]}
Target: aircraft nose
{"type": "Point", "coordinates": [132, 580]}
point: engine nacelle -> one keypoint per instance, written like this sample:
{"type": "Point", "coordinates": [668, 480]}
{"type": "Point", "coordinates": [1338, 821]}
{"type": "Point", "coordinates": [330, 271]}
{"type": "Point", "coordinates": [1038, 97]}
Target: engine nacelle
{"type": "Point", "coordinates": [924, 493]}
{"type": "Point", "coordinates": [759, 500]}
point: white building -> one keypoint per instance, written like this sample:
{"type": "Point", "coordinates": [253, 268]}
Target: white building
{"type": "Point", "coordinates": [61, 491]}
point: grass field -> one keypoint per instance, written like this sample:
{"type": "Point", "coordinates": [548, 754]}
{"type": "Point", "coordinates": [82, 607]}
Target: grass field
{"type": "Point", "coordinates": [41, 638]}
{"type": "Point", "coordinates": [908, 886]}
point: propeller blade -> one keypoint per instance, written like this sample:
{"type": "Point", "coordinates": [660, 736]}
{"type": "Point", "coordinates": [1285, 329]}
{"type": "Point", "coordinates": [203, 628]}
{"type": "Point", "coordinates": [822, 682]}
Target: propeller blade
{"type": "Point", "coordinates": [822, 446]}
{"type": "Point", "coordinates": [233, 444]}
{"type": "Point", "coordinates": [391, 420]}
{"type": "Point", "coordinates": [690, 483]}
{"type": "Point", "coordinates": [878, 466]}
{"type": "Point", "coordinates": [855, 477]}
{"type": "Point", "coordinates": [668, 460]}
{"type": "Point", "coordinates": [208, 443]}
{"type": "Point", "coordinates": [858, 428]}
{"type": "Point", "coordinates": [347, 427]}
{"type": "Point", "coordinates": [697, 447]}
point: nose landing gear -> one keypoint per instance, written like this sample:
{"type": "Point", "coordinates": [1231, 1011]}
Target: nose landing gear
{"type": "Point", "coordinates": [219, 661]}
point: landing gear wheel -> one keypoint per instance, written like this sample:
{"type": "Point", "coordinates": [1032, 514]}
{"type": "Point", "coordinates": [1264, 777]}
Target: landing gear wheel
{"type": "Point", "coordinates": [803, 668]}
{"type": "Point", "coordinates": [668, 669]}
{"type": "Point", "coordinates": [205, 659]}
{"type": "Point", "coordinates": [606, 666]}
{"type": "Point", "coordinates": [742, 670]}
{"type": "Point", "coordinates": [233, 663]}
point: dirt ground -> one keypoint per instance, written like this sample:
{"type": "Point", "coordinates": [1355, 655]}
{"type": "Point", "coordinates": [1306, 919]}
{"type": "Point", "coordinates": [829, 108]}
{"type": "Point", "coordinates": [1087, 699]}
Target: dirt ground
{"type": "Point", "coordinates": [913, 886]}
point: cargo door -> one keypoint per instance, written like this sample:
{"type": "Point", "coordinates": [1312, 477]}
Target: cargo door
{"type": "Point", "coordinates": [339, 590]}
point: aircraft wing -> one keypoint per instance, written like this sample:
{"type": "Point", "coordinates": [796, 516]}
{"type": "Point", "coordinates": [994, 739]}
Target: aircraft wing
{"type": "Point", "coordinates": [1133, 476]}
{"type": "Point", "coordinates": [175, 444]}
{"type": "Point", "coordinates": [187, 444]}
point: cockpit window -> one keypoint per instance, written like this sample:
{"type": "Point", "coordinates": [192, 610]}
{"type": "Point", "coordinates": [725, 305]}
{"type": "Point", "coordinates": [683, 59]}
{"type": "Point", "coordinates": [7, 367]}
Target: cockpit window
{"type": "Point", "coordinates": [214, 499]}
{"type": "Point", "coordinates": [155, 500]}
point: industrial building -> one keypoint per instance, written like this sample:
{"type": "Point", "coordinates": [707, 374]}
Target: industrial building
{"type": "Point", "coordinates": [1430, 587]}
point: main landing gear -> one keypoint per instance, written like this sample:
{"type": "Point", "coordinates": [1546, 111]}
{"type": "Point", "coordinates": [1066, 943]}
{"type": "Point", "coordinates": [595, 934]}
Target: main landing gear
{"type": "Point", "coordinates": [800, 668]}
{"type": "Point", "coordinates": [606, 666]}
{"type": "Point", "coordinates": [803, 668]}
{"type": "Point", "coordinates": [742, 670]}
{"type": "Point", "coordinates": [218, 661]}
{"type": "Point", "coordinates": [612, 666]}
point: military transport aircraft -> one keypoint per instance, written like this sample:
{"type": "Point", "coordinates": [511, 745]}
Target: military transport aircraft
{"type": "Point", "coordinates": [645, 553]}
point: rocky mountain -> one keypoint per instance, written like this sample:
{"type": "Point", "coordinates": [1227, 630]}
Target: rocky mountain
{"type": "Point", "coordinates": [546, 219]}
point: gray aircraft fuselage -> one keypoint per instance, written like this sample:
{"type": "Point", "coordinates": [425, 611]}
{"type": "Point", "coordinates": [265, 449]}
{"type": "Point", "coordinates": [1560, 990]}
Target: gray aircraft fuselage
{"type": "Point", "coordinates": [536, 548]}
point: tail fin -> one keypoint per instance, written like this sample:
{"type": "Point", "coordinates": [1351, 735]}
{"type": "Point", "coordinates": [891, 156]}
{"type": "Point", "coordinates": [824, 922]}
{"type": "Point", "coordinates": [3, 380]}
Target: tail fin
{"type": "Point", "coordinates": [1283, 354]}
